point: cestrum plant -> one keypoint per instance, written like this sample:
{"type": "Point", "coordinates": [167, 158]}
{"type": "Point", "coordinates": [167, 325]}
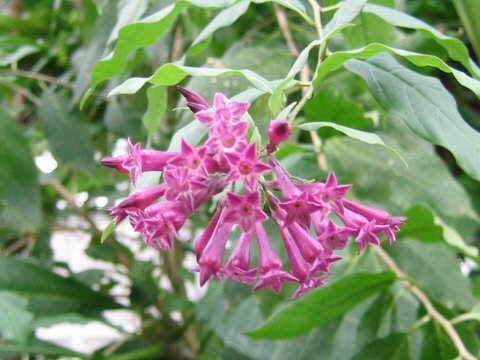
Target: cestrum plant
{"type": "Point", "coordinates": [256, 188]}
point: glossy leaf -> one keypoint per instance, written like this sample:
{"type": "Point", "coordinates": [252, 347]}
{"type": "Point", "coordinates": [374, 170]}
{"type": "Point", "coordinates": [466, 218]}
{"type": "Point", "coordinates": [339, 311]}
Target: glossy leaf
{"type": "Point", "coordinates": [366, 137]}
{"type": "Point", "coordinates": [321, 305]}
{"type": "Point", "coordinates": [424, 104]}
{"type": "Point", "coordinates": [19, 192]}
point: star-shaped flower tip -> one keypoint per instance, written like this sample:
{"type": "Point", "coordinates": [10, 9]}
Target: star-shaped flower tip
{"type": "Point", "coordinates": [194, 159]}
{"type": "Point", "coordinates": [299, 209]}
{"type": "Point", "coordinates": [244, 210]}
{"type": "Point", "coordinates": [223, 110]}
{"type": "Point", "coordinates": [245, 166]}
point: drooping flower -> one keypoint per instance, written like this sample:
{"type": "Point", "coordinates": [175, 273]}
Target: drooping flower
{"type": "Point", "coordinates": [299, 208]}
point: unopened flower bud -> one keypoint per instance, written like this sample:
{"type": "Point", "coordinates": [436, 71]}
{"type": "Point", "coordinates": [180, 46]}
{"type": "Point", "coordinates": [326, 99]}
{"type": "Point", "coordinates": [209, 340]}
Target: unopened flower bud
{"type": "Point", "coordinates": [278, 131]}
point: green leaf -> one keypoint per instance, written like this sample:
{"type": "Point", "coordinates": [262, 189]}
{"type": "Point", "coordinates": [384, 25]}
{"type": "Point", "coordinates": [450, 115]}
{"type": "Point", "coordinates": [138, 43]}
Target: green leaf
{"type": "Point", "coordinates": [340, 57]}
{"type": "Point", "coordinates": [19, 191]}
{"type": "Point", "coordinates": [157, 105]}
{"type": "Point", "coordinates": [455, 48]}
{"type": "Point", "coordinates": [108, 231]}
{"type": "Point", "coordinates": [15, 319]}
{"type": "Point", "coordinates": [192, 133]}
{"type": "Point", "coordinates": [140, 34]}
{"type": "Point", "coordinates": [347, 12]}
{"type": "Point", "coordinates": [424, 104]}
{"type": "Point", "coordinates": [224, 18]}
{"type": "Point", "coordinates": [400, 188]}
{"type": "Point", "coordinates": [319, 306]}
{"type": "Point", "coordinates": [66, 131]}
{"type": "Point", "coordinates": [436, 343]}
{"type": "Point", "coordinates": [36, 347]}
{"type": "Point", "coordinates": [172, 74]}
{"type": "Point", "coordinates": [468, 11]}
{"type": "Point", "coordinates": [295, 5]}
{"type": "Point", "coordinates": [275, 102]}
{"type": "Point", "coordinates": [436, 270]}
{"type": "Point", "coordinates": [49, 293]}
{"type": "Point", "coordinates": [394, 347]}
{"type": "Point", "coordinates": [366, 137]}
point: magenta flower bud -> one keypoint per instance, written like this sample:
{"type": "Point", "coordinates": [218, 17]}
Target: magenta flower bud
{"type": "Point", "coordinates": [194, 101]}
{"type": "Point", "coordinates": [279, 131]}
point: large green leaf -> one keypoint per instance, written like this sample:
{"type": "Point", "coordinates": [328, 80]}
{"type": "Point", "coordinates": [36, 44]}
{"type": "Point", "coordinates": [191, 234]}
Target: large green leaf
{"type": "Point", "coordinates": [380, 178]}
{"type": "Point", "coordinates": [222, 19]}
{"type": "Point", "coordinates": [172, 74]}
{"type": "Point", "coordinates": [338, 58]}
{"type": "Point", "coordinates": [424, 104]}
{"type": "Point", "coordinates": [347, 12]}
{"type": "Point", "coordinates": [19, 192]}
{"type": "Point", "coordinates": [66, 131]}
{"type": "Point", "coordinates": [49, 293]}
{"type": "Point", "coordinates": [15, 319]}
{"type": "Point", "coordinates": [139, 34]}
{"type": "Point", "coordinates": [455, 48]}
{"type": "Point", "coordinates": [468, 11]}
{"type": "Point", "coordinates": [394, 347]}
{"type": "Point", "coordinates": [366, 137]}
{"type": "Point", "coordinates": [436, 270]}
{"type": "Point", "coordinates": [436, 343]}
{"type": "Point", "coordinates": [319, 306]}
{"type": "Point", "coordinates": [157, 105]}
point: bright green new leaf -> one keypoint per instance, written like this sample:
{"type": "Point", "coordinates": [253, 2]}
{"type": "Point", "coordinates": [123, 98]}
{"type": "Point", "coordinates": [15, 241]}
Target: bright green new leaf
{"type": "Point", "coordinates": [424, 104]}
{"type": "Point", "coordinates": [347, 12]}
{"type": "Point", "coordinates": [367, 137]}
{"type": "Point", "coordinates": [157, 105]}
{"type": "Point", "coordinates": [108, 231]}
{"type": "Point", "coordinates": [321, 305]}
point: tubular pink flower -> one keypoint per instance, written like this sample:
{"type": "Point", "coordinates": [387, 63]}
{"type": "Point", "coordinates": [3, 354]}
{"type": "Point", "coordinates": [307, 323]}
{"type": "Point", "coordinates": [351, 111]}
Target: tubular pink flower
{"type": "Point", "coordinates": [139, 199]}
{"type": "Point", "coordinates": [309, 284]}
{"type": "Point", "coordinates": [309, 247]}
{"type": "Point", "coordinates": [137, 161]}
{"type": "Point", "coordinates": [245, 166]}
{"type": "Point", "coordinates": [182, 185]}
{"type": "Point", "coordinates": [334, 237]}
{"type": "Point", "coordinates": [193, 159]}
{"type": "Point", "coordinates": [298, 265]}
{"type": "Point", "coordinates": [287, 187]}
{"type": "Point", "coordinates": [207, 233]}
{"type": "Point", "coordinates": [244, 210]}
{"type": "Point", "coordinates": [223, 110]}
{"type": "Point", "coordinates": [210, 262]}
{"type": "Point", "coordinates": [271, 267]}
{"type": "Point", "coordinates": [226, 137]}
{"type": "Point", "coordinates": [238, 265]}
{"type": "Point", "coordinates": [381, 217]}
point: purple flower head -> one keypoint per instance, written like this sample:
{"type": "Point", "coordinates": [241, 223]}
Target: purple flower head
{"type": "Point", "coordinates": [244, 210]}
{"type": "Point", "coordinates": [238, 265]}
{"type": "Point", "coordinates": [223, 110]}
{"type": "Point", "coordinates": [334, 237]}
{"type": "Point", "coordinates": [194, 101]}
{"type": "Point", "coordinates": [245, 166]}
{"type": "Point", "coordinates": [309, 247]}
{"type": "Point", "coordinates": [193, 159]}
{"type": "Point", "coordinates": [271, 267]}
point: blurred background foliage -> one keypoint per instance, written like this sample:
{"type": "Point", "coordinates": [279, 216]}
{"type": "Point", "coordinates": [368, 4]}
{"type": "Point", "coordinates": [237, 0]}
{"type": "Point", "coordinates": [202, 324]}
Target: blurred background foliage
{"type": "Point", "coordinates": [52, 189]}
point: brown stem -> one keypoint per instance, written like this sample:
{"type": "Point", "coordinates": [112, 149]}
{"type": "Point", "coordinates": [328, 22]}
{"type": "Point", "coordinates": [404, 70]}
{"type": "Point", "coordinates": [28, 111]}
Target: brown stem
{"type": "Point", "coordinates": [439, 318]}
{"type": "Point", "coordinates": [305, 74]}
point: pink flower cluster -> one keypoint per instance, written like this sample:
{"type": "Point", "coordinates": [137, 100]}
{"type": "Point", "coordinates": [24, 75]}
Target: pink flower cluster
{"type": "Point", "coordinates": [301, 210]}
